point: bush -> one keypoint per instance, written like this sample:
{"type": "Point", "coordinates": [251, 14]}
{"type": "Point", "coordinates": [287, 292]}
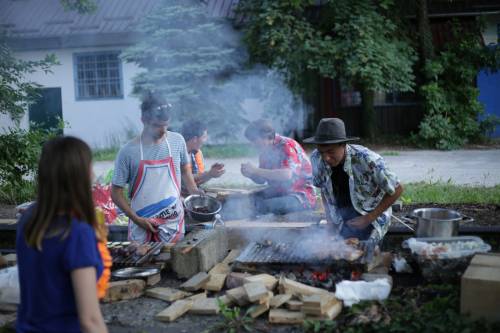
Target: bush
{"type": "Point", "coordinates": [452, 109]}
{"type": "Point", "coordinates": [19, 153]}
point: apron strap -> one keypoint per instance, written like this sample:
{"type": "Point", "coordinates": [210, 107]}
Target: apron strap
{"type": "Point", "coordinates": [142, 153]}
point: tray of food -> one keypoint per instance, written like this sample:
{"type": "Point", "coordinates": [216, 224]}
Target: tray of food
{"type": "Point", "coordinates": [445, 258]}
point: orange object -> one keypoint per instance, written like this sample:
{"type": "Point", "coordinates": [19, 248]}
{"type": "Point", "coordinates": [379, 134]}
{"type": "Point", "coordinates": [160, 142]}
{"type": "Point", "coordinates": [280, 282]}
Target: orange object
{"type": "Point", "coordinates": [107, 262]}
{"type": "Point", "coordinates": [198, 157]}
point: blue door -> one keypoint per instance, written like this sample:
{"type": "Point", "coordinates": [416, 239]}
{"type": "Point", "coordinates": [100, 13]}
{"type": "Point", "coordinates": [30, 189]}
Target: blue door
{"type": "Point", "coordinates": [489, 95]}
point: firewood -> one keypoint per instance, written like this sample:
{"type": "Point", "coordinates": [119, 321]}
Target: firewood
{"type": "Point", "coordinates": [257, 310]}
{"type": "Point", "coordinates": [174, 311]}
{"type": "Point", "coordinates": [238, 295]}
{"type": "Point", "coordinates": [231, 257]}
{"type": "Point", "coordinates": [216, 282]}
{"type": "Point", "coordinates": [123, 290]}
{"type": "Point", "coordinates": [153, 280]}
{"type": "Point", "coordinates": [268, 280]}
{"type": "Point", "coordinates": [220, 268]}
{"type": "Point", "coordinates": [205, 306]}
{"type": "Point", "coordinates": [235, 279]}
{"type": "Point", "coordinates": [298, 289]}
{"type": "Point", "coordinates": [279, 300]}
{"type": "Point", "coordinates": [196, 282]}
{"type": "Point", "coordinates": [226, 300]}
{"type": "Point", "coordinates": [294, 305]}
{"type": "Point", "coordinates": [167, 294]}
{"type": "Point", "coordinates": [255, 291]}
{"type": "Point", "coordinates": [281, 316]}
{"type": "Point", "coordinates": [318, 304]}
{"type": "Point", "coordinates": [197, 296]}
{"type": "Point", "coordinates": [334, 310]}
{"type": "Point", "coordinates": [267, 298]}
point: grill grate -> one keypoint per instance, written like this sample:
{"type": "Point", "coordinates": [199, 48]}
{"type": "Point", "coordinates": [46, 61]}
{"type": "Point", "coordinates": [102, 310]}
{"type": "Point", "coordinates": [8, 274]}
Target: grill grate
{"type": "Point", "coordinates": [132, 260]}
{"type": "Point", "coordinates": [288, 253]}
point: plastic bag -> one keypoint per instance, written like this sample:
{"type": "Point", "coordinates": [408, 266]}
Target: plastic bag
{"type": "Point", "coordinates": [352, 292]}
{"type": "Point", "coordinates": [9, 285]}
{"type": "Point", "coordinates": [102, 199]}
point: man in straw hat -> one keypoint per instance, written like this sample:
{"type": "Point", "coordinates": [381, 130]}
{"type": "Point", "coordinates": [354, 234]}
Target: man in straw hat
{"type": "Point", "coordinates": [357, 188]}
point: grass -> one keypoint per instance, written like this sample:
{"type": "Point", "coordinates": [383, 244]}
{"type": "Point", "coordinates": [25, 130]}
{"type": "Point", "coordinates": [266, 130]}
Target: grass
{"type": "Point", "coordinates": [233, 150]}
{"type": "Point", "coordinates": [447, 193]}
{"type": "Point", "coordinates": [389, 153]}
{"type": "Point", "coordinates": [107, 154]}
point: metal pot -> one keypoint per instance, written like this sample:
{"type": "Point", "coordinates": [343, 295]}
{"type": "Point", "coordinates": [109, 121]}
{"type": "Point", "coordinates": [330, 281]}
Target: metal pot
{"type": "Point", "coordinates": [194, 203]}
{"type": "Point", "coordinates": [437, 222]}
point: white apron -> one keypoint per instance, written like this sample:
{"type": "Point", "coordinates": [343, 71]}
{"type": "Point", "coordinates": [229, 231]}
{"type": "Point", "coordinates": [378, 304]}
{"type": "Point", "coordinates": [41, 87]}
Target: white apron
{"type": "Point", "coordinates": [156, 196]}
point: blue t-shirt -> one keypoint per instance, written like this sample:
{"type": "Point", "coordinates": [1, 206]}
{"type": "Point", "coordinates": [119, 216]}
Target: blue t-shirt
{"type": "Point", "coordinates": [47, 297]}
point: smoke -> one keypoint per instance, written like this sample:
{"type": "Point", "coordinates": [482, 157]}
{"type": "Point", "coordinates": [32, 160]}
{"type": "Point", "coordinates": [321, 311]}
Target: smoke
{"type": "Point", "coordinates": [200, 64]}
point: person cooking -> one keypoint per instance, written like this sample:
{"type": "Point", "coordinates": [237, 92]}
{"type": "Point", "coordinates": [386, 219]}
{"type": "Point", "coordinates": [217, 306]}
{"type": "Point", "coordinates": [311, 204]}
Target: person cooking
{"type": "Point", "coordinates": [357, 188]}
{"type": "Point", "coordinates": [284, 166]}
{"type": "Point", "coordinates": [195, 134]}
{"type": "Point", "coordinates": [153, 165]}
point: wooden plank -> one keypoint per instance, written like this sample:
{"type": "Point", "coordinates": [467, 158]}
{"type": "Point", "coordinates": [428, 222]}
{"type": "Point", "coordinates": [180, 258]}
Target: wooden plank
{"type": "Point", "coordinates": [198, 296]}
{"type": "Point", "coordinates": [267, 298]}
{"type": "Point", "coordinates": [123, 290]}
{"type": "Point", "coordinates": [174, 311]}
{"type": "Point", "coordinates": [294, 305]}
{"type": "Point", "coordinates": [153, 280]}
{"type": "Point", "coordinates": [268, 280]}
{"type": "Point", "coordinates": [255, 291]}
{"type": "Point", "coordinates": [196, 282]}
{"type": "Point", "coordinates": [279, 300]}
{"type": "Point", "coordinates": [238, 296]}
{"type": "Point", "coordinates": [205, 306]}
{"type": "Point", "coordinates": [226, 300]}
{"type": "Point", "coordinates": [259, 309]}
{"type": "Point", "coordinates": [231, 257]}
{"type": "Point", "coordinates": [281, 316]}
{"type": "Point", "coordinates": [334, 310]}
{"type": "Point", "coordinates": [216, 282]}
{"type": "Point", "coordinates": [220, 268]}
{"type": "Point", "coordinates": [167, 294]}
{"type": "Point", "coordinates": [298, 289]}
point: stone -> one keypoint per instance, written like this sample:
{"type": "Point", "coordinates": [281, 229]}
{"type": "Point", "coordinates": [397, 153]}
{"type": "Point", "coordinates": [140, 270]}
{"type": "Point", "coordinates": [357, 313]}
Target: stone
{"type": "Point", "coordinates": [199, 252]}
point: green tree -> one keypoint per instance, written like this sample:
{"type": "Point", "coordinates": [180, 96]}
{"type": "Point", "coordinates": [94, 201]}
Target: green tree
{"type": "Point", "coordinates": [355, 41]}
{"type": "Point", "coordinates": [187, 56]}
{"type": "Point", "coordinates": [15, 92]}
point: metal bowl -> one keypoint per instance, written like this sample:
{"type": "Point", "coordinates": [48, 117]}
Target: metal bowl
{"type": "Point", "coordinates": [194, 203]}
{"type": "Point", "coordinates": [134, 272]}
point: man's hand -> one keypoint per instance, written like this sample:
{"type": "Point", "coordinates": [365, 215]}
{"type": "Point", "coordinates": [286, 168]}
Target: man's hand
{"type": "Point", "coordinates": [360, 222]}
{"type": "Point", "coordinates": [216, 170]}
{"type": "Point", "coordinates": [145, 224]}
{"type": "Point", "coordinates": [248, 169]}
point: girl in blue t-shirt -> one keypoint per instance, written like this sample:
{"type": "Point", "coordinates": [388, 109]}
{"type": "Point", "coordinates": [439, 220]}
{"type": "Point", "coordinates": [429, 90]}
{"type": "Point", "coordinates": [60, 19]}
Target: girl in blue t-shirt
{"type": "Point", "coordinates": [58, 259]}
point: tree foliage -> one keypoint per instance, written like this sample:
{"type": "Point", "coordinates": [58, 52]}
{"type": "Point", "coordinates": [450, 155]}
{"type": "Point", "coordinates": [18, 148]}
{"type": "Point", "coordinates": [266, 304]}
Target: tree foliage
{"type": "Point", "coordinates": [15, 92]}
{"type": "Point", "coordinates": [186, 56]}
{"type": "Point", "coordinates": [452, 109]}
{"type": "Point", "coordinates": [356, 41]}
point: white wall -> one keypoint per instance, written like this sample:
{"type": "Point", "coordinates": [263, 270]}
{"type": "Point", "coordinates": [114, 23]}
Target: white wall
{"type": "Point", "coordinates": [101, 123]}
{"type": "Point", "coordinates": [490, 31]}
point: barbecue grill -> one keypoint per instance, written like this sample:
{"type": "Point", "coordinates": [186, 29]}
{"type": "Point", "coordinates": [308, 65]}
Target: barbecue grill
{"type": "Point", "coordinates": [290, 253]}
{"type": "Point", "coordinates": [134, 259]}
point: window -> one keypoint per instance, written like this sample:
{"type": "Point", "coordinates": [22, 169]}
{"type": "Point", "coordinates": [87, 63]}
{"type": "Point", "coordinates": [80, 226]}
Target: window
{"type": "Point", "coordinates": [98, 76]}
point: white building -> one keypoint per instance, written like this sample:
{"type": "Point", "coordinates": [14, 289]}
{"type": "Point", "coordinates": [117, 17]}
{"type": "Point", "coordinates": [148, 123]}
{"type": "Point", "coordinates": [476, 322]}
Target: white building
{"type": "Point", "coordinates": [91, 88]}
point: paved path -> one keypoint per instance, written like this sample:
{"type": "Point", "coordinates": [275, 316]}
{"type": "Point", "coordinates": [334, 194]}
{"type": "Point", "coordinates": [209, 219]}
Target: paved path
{"type": "Point", "coordinates": [472, 167]}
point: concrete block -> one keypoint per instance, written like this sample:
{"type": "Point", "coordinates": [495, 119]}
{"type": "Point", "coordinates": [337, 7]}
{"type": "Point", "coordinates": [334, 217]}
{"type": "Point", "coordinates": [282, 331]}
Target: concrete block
{"type": "Point", "coordinates": [199, 251]}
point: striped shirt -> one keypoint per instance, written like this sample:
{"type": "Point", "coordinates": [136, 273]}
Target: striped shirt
{"type": "Point", "coordinates": [129, 157]}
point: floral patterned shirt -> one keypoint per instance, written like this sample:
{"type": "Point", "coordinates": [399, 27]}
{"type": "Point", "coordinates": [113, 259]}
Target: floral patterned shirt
{"type": "Point", "coordinates": [286, 153]}
{"type": "Point", "coordinates": [369, 181]}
